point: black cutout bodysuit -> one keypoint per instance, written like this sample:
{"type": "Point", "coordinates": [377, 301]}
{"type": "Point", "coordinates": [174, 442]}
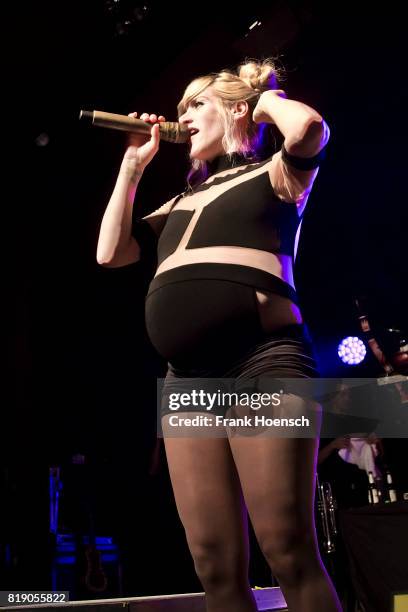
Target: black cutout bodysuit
{"type": "Point", "coordinates": [216, 247]}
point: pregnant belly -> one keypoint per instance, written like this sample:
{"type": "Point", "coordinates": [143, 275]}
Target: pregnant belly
{"type": "Point", "coordinates": [201, 323]}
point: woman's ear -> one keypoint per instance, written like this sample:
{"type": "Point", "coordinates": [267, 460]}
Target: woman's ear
{"type": "Point", "coordinates": [239, 109]}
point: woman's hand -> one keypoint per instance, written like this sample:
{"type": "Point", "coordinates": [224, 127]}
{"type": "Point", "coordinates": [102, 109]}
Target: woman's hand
{"type": "Point", "coordinates": [261, 114]}
{"type": "Point", "coordinates": [142, 148]}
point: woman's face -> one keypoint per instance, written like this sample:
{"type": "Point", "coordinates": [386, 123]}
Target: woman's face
{"type": "Point", "coordinates": [202, 117]}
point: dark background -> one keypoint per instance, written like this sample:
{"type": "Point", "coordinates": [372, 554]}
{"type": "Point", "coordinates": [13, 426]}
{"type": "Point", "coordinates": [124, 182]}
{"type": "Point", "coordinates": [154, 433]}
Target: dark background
{"type": "Point", "coordinates": [80, 374]}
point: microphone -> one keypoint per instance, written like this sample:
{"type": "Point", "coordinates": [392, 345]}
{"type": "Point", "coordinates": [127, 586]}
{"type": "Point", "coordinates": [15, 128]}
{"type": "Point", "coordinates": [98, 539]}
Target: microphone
{"type": "Point", "coordinates": [170, 131]}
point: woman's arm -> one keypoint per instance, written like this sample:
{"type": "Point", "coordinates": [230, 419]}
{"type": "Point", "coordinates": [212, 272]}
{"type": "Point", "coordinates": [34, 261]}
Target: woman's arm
{"type": "Point", "coordinates": [116, 246]}
{"type": "Point", "coordinates": [305, 133]}
{"type": "Point", "coordinates": [304, 130]}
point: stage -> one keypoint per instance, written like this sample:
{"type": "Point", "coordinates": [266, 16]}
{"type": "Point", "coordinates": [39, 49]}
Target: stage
{"type": "Point", "coordinates": [267, 599]}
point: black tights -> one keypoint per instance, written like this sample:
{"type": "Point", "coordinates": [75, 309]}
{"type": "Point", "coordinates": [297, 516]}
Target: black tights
{"type": "Point", "coordinates": [211, 478]}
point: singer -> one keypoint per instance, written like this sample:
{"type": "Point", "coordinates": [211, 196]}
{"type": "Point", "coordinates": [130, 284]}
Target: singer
{"type": "Point", "coordinates": [223, 304]}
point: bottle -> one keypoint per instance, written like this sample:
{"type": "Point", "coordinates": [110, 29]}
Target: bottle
{"type": "Point", "coordinates": [379, 485]}
{"type": "Point", "coordinates": [392, 494]}
{"type": "Point", "coordinates": [373, 497]}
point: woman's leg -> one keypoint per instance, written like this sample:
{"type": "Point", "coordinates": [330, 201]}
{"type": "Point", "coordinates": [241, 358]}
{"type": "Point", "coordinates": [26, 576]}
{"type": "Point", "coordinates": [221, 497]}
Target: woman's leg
{"type": "Point", "coordinates": [210, 504]}
{"type": "Point", "coordinates": [278, 481]}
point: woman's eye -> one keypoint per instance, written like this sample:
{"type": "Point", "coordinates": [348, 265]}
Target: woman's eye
{"type": "Point", "coordinates": [197, 103]}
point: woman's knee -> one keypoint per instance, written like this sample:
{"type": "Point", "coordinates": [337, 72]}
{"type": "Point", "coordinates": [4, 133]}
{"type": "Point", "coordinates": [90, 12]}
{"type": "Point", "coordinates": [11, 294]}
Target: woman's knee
{"type": "Point", "coordinates": [291, 555]}
{"type": "Point", "coordinates": [217, 565]}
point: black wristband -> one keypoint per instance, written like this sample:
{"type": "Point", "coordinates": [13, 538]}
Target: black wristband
{"type": "Point", "coordinates": [303, 163]}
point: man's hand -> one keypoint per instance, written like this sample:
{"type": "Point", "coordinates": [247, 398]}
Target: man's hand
{"type": "Point", "coordinates": [341, 442]}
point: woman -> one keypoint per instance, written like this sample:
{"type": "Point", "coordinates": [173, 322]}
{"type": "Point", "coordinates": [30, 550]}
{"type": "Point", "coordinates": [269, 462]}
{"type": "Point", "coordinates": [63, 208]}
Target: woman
{"type": "Point", "coordinates": [222, 304]}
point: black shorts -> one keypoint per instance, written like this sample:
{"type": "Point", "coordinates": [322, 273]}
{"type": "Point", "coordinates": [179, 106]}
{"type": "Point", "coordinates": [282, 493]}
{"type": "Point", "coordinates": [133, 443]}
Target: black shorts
{"type": "Point", "coordinates": [286, 354]}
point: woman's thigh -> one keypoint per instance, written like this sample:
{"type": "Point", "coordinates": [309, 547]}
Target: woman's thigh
{"type": "Point", "coordinates": [277, 476]}
{"type": "Point", "coordinates": [208, 496]}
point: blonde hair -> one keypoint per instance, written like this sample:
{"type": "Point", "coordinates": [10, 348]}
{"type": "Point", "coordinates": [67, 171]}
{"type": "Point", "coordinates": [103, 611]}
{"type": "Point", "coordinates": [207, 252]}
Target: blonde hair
{"type": "Point", "coordinates": [246, 84]}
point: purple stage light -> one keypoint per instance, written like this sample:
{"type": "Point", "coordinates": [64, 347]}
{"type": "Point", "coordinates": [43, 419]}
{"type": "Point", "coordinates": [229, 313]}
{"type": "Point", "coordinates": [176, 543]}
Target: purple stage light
{"type": "Point", "coordinates": [352, 350]}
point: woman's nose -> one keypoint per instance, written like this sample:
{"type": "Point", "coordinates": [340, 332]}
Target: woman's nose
{"type": "Point", "coordinates": [184, 118]}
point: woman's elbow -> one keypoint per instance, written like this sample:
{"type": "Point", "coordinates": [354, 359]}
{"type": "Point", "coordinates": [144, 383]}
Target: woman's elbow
{"type": "Point", "coordinates": [312, 138]}
{"type": "Point", "coordinates": [118, 258]}
{"type": "Point", "coordinates": [317, 134]}
{"type": "Point", "coordinates": [325, 135]}
{"type": "Point", "coordinates": [102, 261]}
{"type": "Point", "coordinates": [102, 257]}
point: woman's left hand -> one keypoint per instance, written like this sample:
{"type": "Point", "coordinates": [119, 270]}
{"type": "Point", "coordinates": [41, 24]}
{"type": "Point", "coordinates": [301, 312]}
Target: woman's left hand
{"type": "Point", "coordinates": [261, 114]}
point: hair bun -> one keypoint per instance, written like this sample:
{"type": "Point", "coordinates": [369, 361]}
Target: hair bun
{"type": "Point", "coordinates": [259, 75]}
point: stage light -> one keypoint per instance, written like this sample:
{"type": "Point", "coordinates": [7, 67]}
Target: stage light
{"type": "Point", "coordinates": [352, 350]}
{"type": "Point", "coordinates": [255, 23]}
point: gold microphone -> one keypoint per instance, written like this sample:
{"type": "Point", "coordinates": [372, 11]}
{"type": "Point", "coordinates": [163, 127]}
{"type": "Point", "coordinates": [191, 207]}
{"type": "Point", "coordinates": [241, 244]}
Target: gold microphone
{"type": "Point", "coordinates": [170, 131]}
